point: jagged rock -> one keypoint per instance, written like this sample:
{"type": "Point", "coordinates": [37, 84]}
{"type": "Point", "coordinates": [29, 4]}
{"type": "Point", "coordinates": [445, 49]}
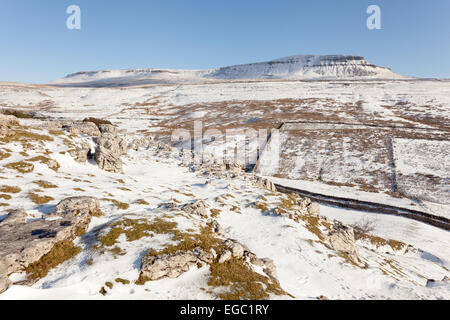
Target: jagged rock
{"type": "Point", "coordinates": [237, 249]}
{"type": "Point", "coordinates": [4, 283]}
{"type": "Point", "coordinates": [136, 144]}
{"type": "Point", "coordinates": [269, 268]}
{"type": "Point", "coordinates": [215, 226]}
{"type": "Point", "coordinates": [88, 205]}
{"type": "Point", "coordinates": [342, 238]}
{"type": "Point", "coordinates": [265, 184]}
{"type": "Point", "coordinates": [225, 256]}
{"type": "Point", "coordinates": [108, 151]}
{"type": "Point", "coordinates": [81, 154]}
{"type": "Point", "coordinates": [113, 143]}
{"type": "Point", "coordinates": [198, 207]}
{"type": "Point", "coordinates": [303, 203]}
{"type": "Point", "coordinates": [167, 265]}
{"type": "Point", "coordinates": [108, 160]}
{"type": "Point", "coordinates": [5, 121]}
{"type": "Point", "coordinates": [15, 216]}
{"type": "Point", "coordinates": [167, 205]}
{"type": "Point", "coordinates": [24, 243]}
{"type": "Point", "coordinates": [53, 125]}
{"type": "Point", "coordinates": [108, 128]}
{"type": "Point", "coordinates": [204, 256]}
{"type": "Point", "coordinates": [313, 208]}
{"type": "Point", "coordinates": [8, 119]}
{"type": "Point", "coordinates": [88, 128]}
{"type": "Point", "coordinates": [52, 164]}
{"type": "Point", "coordinates": [5, 131]}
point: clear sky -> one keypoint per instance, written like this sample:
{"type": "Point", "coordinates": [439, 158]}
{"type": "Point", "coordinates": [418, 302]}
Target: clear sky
{"type": "Point", "coordinates": [37, 47]}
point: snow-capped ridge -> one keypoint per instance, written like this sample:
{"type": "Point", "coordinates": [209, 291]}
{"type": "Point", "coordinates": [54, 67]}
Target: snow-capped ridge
{"type": "Point", "coordinates": [307, 67]}
{"type": "Point", "coordinates": [299, 67]}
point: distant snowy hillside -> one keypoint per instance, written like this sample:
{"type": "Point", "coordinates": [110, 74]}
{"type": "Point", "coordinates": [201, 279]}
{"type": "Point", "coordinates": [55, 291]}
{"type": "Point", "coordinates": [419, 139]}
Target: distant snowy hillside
{"type": "Point", "coordinates": [308, 67]}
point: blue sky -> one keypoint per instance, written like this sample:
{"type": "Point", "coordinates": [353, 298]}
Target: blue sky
{"type": "Point", "coordinates": [36, 46]}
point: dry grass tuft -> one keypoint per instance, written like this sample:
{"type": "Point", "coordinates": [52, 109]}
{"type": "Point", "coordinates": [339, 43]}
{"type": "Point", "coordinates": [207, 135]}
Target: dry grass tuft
{"type": "Point", "coordinates": [21, 166]}
{"type": "Point", "coordinates": [10, 189]}
{"type": "Point", "coordinates": [242, 282]}
{"type": "Point", "coordinates": [142, 202]}
{"type": "Point", "coordinates": [37, 199]}
{"type": "Point", "coordinates": [61, 252]}
{"type": "Point", "coordinates": [45, 184]}
{"type": "Point", "coordinates": [5, 196]}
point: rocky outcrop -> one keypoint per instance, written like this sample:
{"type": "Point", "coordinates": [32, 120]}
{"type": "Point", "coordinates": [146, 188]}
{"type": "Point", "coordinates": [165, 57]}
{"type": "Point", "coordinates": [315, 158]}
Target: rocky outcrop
{"type": "Point", "coordinates": [108, 152]}
{"type": "Point", "coordinates": [5, 122]}
{"type": "Point", "coordinates": [5, 131]}
{"type": "Point", "coordinates": [23, 243]}
{"type": "Point", "coordinates": [81, 153]}
{"type": "Point", "coordinates": [198, 208]}
{"type": "Point", "coordinates": [265, 184]}
{"type": "Point", "coordinates": [167, 265]}
{"type": "Point", "coordinates": [112, 142]}
{"type": "Point", "coordinates": [17, 216]}
{"type": "Point", "coordinates": [173, 265]}
{"type": "Point", "coordinates": [4, 283]}
{"type": "Point", "coordinates": [108, 128]}
{"type": "Point", "coordinates": [88, 128]}
{"type": "Point", "coordinates": [79, 205]}
{"type": "Point", "coordinates": [342, 238]}
{"type": "Point", "coordinates": [306, 206]}
{"type": "Point", "coordinates": [108, 160]}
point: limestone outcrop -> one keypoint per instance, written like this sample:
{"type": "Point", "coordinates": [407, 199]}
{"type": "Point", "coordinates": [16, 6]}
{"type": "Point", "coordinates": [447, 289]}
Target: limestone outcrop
{"type": "Point", "coordinates": [23, 243]}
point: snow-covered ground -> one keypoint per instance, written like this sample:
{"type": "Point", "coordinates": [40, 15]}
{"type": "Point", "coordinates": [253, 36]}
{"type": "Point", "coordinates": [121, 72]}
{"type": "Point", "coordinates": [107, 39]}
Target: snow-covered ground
{"type": "Point", "coordinates": [306, 268]}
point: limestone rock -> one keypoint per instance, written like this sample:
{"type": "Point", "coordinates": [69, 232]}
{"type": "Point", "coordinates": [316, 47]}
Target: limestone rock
{"type": "Point", "coordinates": [113, 143]}
{"type": "Point", "coordinates": [216, 228]}
{"type": "Point", "coordinates": [108, 160]}
{"type": "Point", "coordinates": [198, 207]}
{"type": "Point", "coordinates": [53, 125]}
{"type": "Point", "coordinates": [167, 265]}
{"type": "Point", "coordinates": [8, 119]}
{"type": "Point", "coordinates": [108, 151]}
{"type": "Point", "coordinates": [88, 128]}
{"type": "Point", "coordinates": [24, 243]}
{"type": "Point", "coordinates": [5, 121]}
{"type": "Point", "coordinates": [167, 205]}
{"type": "Point", "coordinates": [204, 256]}
{"type": "Point", "coordinates": [138, 143]}
{"type": "Point", "coordinates": [342, 238]}
{"type": "Point", "coordinates": [314, 209]}
{"type": "Point", "coordinates": [108, 128]}
{"type": "Point", "coordinates": [225, 256]}
{"type": "Point", "coordinates": [265, 184]}
{"type": "Point", "coordinates": [5, 131]}
{"type": "Point", "coordinates": [81, 153]}
{"type": "Point", "coordinates": [15, 216]}
{"type": "Point", "coordinates": [269, 268]}
{"type": "Point", "coordinates": [237, 249]}
{"type": "Point", "coordinates": [4, 283]}
{"type": "Point", "coordinates": [52, 164]}
{"type": "Point", "coordinates": [78, 205]}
